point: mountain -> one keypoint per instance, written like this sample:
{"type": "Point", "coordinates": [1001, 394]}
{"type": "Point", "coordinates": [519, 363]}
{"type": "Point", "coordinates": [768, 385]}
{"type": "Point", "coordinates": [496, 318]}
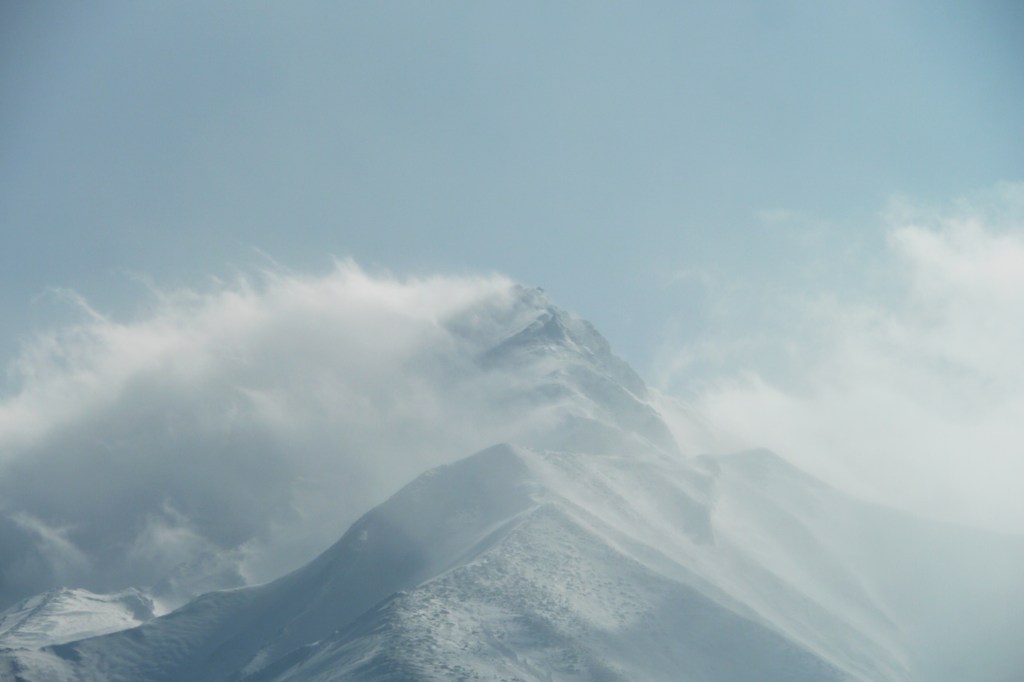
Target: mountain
{"type": "Point", "coordinates": [595, 552]}
{"type": "Point", "coordinates": [64, 615]}
{"type": "Point", "coordinates": [531, 565]}
{"type": "Point", "coordinates": [551, 361]}
{"type": "Point", "coordinates": [181, 482]}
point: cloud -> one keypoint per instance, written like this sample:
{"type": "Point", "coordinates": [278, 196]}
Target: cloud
{"type": "Point", "coordinates": [912, 394]}
{"type": "Point", "coordinates": [225, 436]}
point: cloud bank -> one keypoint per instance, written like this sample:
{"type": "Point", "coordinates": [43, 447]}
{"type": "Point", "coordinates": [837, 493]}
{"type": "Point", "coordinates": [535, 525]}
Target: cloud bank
{"type": "Point", "coordinates": [225, 436]}
{"type": "Point", "coordinates": [912, 395]}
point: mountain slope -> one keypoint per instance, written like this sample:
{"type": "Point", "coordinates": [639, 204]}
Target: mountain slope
{"type": "Point", "coordinates": [595, 550]}
{"type": "Point", "coordinates": [485, 541]}
{"type": "Point", "coordinates": [64, 615]}
{"type": "Point", "coordinates": [534, 565]}
{"type": "Point", "coordinates": [952, 596]}
{"type": "Point", "coordinates": [584, 612]}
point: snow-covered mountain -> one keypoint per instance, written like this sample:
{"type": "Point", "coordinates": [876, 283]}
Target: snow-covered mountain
{"type": "Point", "coordinates": [552, 361]}
{"type": "Point", "coordinates": [524, 564]}
{"type": "Point", "coordinates": [64, 615]}
{"type": "Point", "coordinates": [595, 551]}
{"type": "Point", "coordinates": [195, 475]}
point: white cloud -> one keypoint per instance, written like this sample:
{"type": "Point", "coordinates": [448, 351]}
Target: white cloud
{"type": "Point", "coordinates": [235, 432]}
{"type": "Point", "coordinates": [913, 396]}
{"type": "Point", "coordinates": [64, 557]}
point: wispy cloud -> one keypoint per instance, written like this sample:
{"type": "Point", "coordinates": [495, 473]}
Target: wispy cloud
{"type": "Point", "coordinates": [912, 394]}
{"type": "Point", "coordinates": [239, 430]}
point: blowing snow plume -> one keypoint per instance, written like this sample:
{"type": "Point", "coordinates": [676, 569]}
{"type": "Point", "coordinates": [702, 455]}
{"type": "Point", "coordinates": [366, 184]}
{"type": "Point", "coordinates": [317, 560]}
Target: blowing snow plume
{"type": "Point", "coordinates": [226, 436]}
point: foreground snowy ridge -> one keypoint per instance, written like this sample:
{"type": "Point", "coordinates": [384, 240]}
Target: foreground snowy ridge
{"type": "Point", "coordinates": [597, 552]}
{"type": "Point", "coordinates": [65, 615]}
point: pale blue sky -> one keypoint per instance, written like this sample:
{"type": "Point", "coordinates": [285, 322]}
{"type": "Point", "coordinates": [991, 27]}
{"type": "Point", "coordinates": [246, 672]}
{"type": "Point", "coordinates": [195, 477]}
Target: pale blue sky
{"type": "Point", "coordinates": [594, 149]}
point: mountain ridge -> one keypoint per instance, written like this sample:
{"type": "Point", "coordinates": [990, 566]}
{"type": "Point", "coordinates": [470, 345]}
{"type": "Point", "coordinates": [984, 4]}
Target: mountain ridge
{"type": "Point", "coordinates": [596, 550]}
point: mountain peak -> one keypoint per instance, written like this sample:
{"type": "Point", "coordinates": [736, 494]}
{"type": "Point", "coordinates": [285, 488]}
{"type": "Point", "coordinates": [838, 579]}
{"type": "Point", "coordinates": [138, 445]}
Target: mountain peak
{"type": "Point", "coordinates": [552, 358]}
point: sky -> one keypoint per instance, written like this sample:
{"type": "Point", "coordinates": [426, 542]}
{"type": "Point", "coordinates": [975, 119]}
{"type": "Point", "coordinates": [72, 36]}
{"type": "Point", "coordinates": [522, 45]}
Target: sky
{"type": "Point", "coordinates": [597, 150]}
{"type": "Point", "coordinates": [802, 223]}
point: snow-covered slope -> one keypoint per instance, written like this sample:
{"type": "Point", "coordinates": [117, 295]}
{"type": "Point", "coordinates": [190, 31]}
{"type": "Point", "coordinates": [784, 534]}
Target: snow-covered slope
{"type": "Point", "coordinates": [64, 615]}
{"type": "Point", "coordinates": [551, 361]}
{"type": "Point", "coordinates": [953, 597]}
{"type": "Point", "coordinates": [534, 565]}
